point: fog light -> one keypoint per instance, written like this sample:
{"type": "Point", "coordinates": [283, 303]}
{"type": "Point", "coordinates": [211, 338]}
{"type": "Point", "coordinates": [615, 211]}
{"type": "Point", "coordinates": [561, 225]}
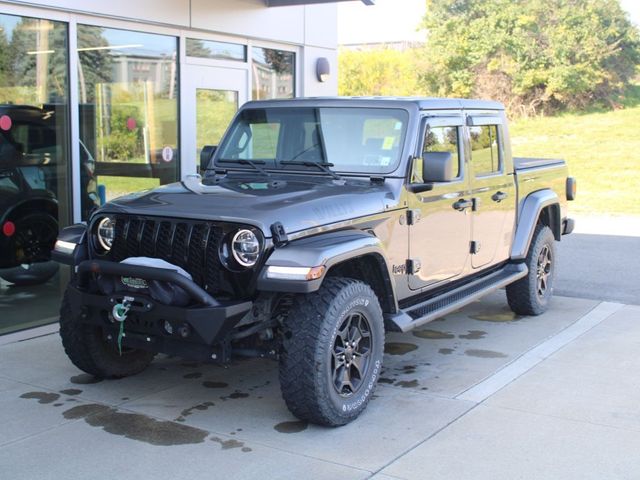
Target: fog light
{"type": "Point", "coordinates": [184, 330]}
{"type": "Point", "coordinates": [168, 327]}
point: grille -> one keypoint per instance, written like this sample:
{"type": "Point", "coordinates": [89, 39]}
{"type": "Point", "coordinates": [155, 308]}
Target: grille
{"type": "Point", "coordinates": [190, 245]}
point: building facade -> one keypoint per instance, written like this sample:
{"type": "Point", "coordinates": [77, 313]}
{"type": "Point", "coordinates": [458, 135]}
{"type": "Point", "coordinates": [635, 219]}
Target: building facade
{"type": "Point", "coordinates": [98, 99]}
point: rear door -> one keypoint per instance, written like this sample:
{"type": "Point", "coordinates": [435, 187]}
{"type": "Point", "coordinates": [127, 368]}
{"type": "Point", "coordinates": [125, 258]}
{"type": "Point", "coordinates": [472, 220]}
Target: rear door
{"type": "Point", "coordinates": [439, 239]}
{"type": "Point", "coordinates": [492, 189]}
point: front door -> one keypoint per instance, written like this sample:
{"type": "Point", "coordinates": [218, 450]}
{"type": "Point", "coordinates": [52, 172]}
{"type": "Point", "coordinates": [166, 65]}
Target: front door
{"type": "Point", "coordinates": [211, 96]}
{"type": "Point", "coordinates": [439, 239]}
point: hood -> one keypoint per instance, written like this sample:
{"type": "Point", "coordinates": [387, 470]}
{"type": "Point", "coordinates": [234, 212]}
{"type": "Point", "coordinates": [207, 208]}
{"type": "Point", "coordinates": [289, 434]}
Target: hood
{"type": "Point", "coordinates": [298, 202]}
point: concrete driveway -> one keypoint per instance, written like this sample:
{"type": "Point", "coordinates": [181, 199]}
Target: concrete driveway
{"type": "Point", "coordinates": [479, 394]}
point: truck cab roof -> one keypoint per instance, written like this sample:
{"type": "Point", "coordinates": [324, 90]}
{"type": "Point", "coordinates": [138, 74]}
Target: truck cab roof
{"type": "Point", "coordinates": [422, 103]}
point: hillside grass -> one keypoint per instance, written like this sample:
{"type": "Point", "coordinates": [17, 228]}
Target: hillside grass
{"type": "Point", "coordinates": [602, 149]}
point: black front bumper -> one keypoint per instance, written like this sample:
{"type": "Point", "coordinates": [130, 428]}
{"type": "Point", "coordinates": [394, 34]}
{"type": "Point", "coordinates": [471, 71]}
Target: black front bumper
{"type": "Point", "coordinates": [198, 331]}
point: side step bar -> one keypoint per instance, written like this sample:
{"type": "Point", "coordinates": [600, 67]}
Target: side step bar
{"type": "Point", "coordinates": [435, 307]}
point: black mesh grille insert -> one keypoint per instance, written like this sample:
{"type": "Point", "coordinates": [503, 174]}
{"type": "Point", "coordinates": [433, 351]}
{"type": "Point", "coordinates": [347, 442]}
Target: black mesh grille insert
{"type": "Point", "coordinates": [190, 245]}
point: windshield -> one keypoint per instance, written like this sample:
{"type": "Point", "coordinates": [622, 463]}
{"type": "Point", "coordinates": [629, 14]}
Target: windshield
{"type": "Point", "coordinates": [359, 140]}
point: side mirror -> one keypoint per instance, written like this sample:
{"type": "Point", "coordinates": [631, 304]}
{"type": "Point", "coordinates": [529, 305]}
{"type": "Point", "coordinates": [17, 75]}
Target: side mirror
{"type": "Point", "coordinates": [438, 167]}
{"type": "Point", "coordinates": [206, 154]}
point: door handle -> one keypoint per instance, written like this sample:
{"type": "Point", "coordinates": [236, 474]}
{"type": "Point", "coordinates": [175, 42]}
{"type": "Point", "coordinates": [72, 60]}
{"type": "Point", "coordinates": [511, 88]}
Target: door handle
{"type": "Point", "coordinates": [462, 204]}
{"type": "Point", "coordinates": [498, 196]}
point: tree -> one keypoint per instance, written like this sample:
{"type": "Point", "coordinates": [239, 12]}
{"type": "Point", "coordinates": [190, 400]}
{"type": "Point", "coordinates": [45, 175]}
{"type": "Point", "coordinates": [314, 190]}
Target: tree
{"type": "Point", "coordinates": [377, 72]}
{"type": "Point", "coordinates": [530, 54]}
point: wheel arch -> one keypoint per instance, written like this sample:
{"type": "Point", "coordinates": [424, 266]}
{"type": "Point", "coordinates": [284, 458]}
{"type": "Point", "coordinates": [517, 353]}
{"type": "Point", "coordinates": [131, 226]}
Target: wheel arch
{"type": "Point", "coordinates": [371, 269]}
{"type": "Point", "coordinates": [540, 207]}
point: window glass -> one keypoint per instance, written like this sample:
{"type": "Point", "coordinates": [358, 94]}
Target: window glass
{"type": "Point", "coordinates": [34, 167]}
{"type": "Point", "coordinates": [443, 139]}
{"type": "Point", "coordinates": [485, 157]}
{"type": "Point", "coordinates": [273, 73]}
{"type": "Point", "coordinates": [214, 111]}
{"type": "Point", "coordinates": [128, 92]}
{"type": "Point", "coordinates": [367, 140]}
{"type": "Point", "coordinates": [216, 50]}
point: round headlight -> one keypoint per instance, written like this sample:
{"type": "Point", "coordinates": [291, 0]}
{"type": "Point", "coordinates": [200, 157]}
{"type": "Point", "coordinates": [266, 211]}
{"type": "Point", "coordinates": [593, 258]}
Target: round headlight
{"type": "Point", "coordinates": [106, 232]}
{"type": "Point", "coordinates": [245, 247]}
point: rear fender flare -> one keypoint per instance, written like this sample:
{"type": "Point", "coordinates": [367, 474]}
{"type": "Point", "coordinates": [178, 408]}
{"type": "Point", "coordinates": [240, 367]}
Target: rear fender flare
{"type": "Point", "coordinates": [529, 214]}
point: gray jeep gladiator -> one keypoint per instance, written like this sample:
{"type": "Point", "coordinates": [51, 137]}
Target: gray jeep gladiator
{"type": "Point", "coordinates": [315, 226]}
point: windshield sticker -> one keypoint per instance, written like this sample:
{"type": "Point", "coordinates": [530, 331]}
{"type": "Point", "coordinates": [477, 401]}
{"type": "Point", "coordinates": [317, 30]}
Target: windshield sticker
{"type": "Point", "coordinates": [398, 126]}
{"type": "Point", "coordinates": [388, 143]}
{"type": "Point", "coordinates": [385, 161]}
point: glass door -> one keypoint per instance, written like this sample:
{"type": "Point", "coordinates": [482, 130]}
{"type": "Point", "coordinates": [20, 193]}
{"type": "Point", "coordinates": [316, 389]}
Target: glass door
{"type": "Point", "coordinates": [211, 97]}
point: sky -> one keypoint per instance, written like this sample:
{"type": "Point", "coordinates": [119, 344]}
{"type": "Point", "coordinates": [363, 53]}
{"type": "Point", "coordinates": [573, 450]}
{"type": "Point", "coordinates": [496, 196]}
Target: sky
{"type": "Point", "coordinates": [398, 20]}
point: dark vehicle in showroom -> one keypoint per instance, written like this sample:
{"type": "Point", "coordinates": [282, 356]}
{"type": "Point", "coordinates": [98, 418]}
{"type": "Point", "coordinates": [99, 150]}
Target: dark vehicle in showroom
{"type": "Point", "coordinates": [315, 226]}
{"type": "Point", "coordinates": [29, 182]}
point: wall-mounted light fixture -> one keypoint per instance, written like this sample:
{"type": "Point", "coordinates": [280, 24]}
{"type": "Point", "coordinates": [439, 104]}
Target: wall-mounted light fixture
{"type": "Point", "coordinates": [323, 69]}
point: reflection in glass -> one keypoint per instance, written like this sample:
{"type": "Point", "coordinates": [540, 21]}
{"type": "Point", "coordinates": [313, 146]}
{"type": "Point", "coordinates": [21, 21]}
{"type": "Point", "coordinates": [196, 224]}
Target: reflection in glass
{"type": "Point", "coordinates": [484, 149]}
{"type": "Point", "coordinates": [273, 73]}
{"type": "Point", "coordinates": [34, 160]}
{"type": "Point", "coordinates": [214, 111]}
{"type": "Point", "coordinates": [443, 139]}
{"type": "Point", "coordinates": [216, 50]}
{"type": "Point", "coordinates": [127, 85]}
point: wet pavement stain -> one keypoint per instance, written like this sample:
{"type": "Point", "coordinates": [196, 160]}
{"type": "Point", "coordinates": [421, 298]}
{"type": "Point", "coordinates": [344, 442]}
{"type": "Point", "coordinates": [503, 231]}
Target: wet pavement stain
{"type": "Point", "coordinates": [85, 379]}
{"type": "Point", "coordinates": [188, 411]}
{"type": "Point", "coordinates": [71, 400]}
{"type": "Point", "coordinates": [42, 397]}
{"type": "Point", "coordinates": [433, 334]}
{"type": "Point", "coordinates": [231, 443]}
{"type": "Point", "coordinates": [209, 384]}
{"type": "Point", "coordinates": [497, 317]}
{"type": "Point", "coordinates": [136, 426]}
{"type": "Point", "coordinates": [398, 348]}
{"type": "Point", "coordinates": [71, 391]}
{"type": "Point", "coordinates": [295, 426]}
{"type": "Point", "coordinates": [484, 353]}
{"type": "Point", "coordinates": [235, 396]}
{"type": "Point", "coordinates": [58, 404]}
{"type": "Point", "coordinates": [473, 335]}
{"type": "Point", "coordinates": [192, 375]}
{"type": "Point", "coordinates": [407, 383]}
{"type": "Point", "coordinates": [446, 351]}
{"type": "Point", "coordinates": [385, 380]}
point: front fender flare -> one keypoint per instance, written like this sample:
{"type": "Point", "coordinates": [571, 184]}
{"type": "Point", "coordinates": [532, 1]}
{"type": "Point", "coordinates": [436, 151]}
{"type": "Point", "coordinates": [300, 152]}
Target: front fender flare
{"type": "Point", "coordinates": [326, 249]}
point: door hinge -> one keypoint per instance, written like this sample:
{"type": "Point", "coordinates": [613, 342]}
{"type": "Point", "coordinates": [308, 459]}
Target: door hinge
{"type": "Point", "coordinates": [475, 204]}
{"type": "Point", "coordinates": [413, 266]}
{"type": "Point", "coordinates": [413, 216]}
{"type": "Point", "coordinates": [475, 247]}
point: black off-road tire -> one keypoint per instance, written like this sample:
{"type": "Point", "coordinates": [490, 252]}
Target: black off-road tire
{"type": "Point", "coordinates": [528, 296]}
{"type": "Point", "coordinates": [90, 352]}
{"type": "Point", "coordinates": [314, 330]}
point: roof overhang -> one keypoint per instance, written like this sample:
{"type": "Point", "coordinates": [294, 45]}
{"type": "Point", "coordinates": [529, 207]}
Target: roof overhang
{"type": "Point", "coordinates": [286, 3]}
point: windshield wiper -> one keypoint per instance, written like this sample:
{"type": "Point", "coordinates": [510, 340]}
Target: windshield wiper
{"type": "Point", "coordinates": [308, 163]}
{"type": "Point", "coordinates": [244, 161]}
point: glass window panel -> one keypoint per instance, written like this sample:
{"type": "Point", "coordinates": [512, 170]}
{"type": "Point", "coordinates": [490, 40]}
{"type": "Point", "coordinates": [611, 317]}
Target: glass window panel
{"type": "Point", "coordinates": [365, 140]}
{"type": "Point", "coordinates": [128, 92]}
{"type": "Point", "coordinates": [34, 166]}
{"type": "Point", "coordinates": [216, 50]}
{"type": "Point", "coordinates": [214, 111]}
{"type": "Point", "coordinates": [443, 139]}
{"type": "Point", "coordinates": [273, 73]}
{"type": "Point", "coordinates": [485, 157]}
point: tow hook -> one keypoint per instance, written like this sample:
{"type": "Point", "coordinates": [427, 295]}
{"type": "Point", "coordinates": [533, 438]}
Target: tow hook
{"type": "Point", "coordinates": [119, 313]}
